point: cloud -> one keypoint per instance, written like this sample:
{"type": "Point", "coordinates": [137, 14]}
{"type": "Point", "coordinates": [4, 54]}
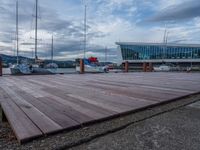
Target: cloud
{"type": "Point", "coordinates": [68, 34]}
{"type": "Point", "coordinates": [108, 21]}
{"type": "Point", "coordinates": [185, 10]}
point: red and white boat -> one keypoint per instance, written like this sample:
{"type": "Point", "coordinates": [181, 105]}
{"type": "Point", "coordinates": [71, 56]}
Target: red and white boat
{"type": "Point", "coordinates": [91, 65]}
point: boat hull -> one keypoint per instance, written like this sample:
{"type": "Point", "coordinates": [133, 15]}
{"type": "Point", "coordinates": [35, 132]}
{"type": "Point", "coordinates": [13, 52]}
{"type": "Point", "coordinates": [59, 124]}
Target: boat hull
{"type": "Point", "coordinates": [20, 69]}
{"type": "Point", "coordinates": [15, 71]}
{"type": "Point", "coordinates": [91, 69]}
{"type": "Point", "coordinates": [42, 71]}
{"type": "Point", "coordinates": [162, 69]}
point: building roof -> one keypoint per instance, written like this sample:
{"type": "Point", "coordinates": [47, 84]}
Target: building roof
{"type": "Point", "coordinates": [158, 44]}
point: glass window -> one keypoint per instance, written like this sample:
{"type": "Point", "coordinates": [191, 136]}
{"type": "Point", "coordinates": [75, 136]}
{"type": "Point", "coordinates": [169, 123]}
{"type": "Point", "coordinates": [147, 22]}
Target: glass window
{"type": "Point", "coordinates": [135, 52]}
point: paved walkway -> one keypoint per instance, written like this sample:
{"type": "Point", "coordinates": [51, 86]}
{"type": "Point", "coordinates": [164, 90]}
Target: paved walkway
{"type": "Point", "coordinates": [175, 130]}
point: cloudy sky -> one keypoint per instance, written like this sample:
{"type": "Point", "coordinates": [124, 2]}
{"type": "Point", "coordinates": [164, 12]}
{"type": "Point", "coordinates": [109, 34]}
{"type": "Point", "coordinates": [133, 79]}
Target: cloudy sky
{"type": "Point", "coordinates": [109, 21]}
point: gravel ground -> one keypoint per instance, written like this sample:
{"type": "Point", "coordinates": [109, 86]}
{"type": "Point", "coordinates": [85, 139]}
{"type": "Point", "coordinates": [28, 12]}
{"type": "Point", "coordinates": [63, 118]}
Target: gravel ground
{"type": "Point", "coordinates": [175, 130]}
{"type": "Point", "coordinates": [92, 133]}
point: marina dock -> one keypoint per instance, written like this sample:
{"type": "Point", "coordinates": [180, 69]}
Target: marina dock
{"type": "Point", "coordinates": [37, 106]}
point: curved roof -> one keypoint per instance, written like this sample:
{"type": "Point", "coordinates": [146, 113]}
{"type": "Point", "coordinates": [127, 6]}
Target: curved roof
{"type": "Point", "coordinates": [158, 44]}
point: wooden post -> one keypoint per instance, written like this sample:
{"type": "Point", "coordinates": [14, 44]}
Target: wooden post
{"type": "Point", "coordinates": [145, 67]}
{"type": "Point", "coordinates": [1, 66]}
{"type": "Point", "coordinates": [126, 66]}
{"type": "Point", "coordinates": [82, 67]}
{"type": "Point", "coordinates": [150, 67]}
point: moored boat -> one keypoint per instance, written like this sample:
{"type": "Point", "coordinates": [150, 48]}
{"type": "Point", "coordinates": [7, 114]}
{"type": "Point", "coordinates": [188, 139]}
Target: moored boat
{"type": "Point", "coordinates": [91, 65]}
{"type": "Point", "coordinates": [20, 69]}
{"type": "Point", "coordinates": [162, 68]}
{"type": "Point", "coordinates": [52, 67]}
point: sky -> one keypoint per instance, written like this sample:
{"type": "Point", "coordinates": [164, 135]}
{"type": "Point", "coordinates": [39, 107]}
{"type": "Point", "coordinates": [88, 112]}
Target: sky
{"type": "Point", "coordinates": [108, 21]}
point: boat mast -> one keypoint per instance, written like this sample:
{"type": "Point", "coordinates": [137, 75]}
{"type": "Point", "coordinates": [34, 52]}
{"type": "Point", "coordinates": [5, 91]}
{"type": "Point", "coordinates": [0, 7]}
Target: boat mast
{"type": "Point", "coordinates": [105, 55]}
{"type": "Point", "coordinates": [52, 50]}
{"type": "Point", "coordinates": [85, 29]}
{"type": "Point", "coordinates": [164, 42]}
{"type": "Point", "coordinates": [17, 31]}
{"type": "Point", "coordinates": [36, 26]}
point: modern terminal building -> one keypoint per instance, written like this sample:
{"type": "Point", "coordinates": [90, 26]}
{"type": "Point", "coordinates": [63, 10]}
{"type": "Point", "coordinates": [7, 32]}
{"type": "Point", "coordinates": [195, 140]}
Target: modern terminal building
{"type": "Point", "coordinates": [177, 55]}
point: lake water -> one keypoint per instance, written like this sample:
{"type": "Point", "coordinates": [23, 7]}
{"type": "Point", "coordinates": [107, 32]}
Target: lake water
{"type": "Point", "coordinates": [59, 70]}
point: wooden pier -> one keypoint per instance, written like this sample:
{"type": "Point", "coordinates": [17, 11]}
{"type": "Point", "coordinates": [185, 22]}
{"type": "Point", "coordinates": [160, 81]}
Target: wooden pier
{"type": "Point", "coordinates": [40, 105]}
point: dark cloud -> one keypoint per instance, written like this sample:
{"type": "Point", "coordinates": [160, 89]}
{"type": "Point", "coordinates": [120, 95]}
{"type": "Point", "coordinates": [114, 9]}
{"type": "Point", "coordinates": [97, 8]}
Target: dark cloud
{"type": "Point", "coordinates": [185, 10]}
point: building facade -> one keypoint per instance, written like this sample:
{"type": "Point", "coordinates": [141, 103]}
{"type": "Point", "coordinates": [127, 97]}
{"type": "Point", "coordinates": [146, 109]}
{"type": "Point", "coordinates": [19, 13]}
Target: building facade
{"type": "Point", "coordinates": [178, 54]}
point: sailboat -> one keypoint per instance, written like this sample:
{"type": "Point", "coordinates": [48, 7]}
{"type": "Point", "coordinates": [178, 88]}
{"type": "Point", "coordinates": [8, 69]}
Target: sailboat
{"type": "Point", "coordinates": [163, 67]}
{"type": "Point", "coordinates": [38, 67]}
{"type": "Point", "coordinates": [91, 65]}
{"type": "Point", "coordinates": [52, 66]}
{"type": "Point", "coordinates": [23, 68]}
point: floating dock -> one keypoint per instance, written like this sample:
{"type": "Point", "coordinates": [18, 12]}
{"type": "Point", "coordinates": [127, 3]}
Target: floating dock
{"type": "Point", "coordinates": [37, 106]}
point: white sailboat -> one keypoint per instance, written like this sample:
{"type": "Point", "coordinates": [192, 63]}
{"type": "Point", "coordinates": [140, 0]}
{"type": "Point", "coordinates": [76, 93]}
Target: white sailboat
{"type": "Point", "coordinates": [18, 68]}
{"type": "Point", "coordinates": [37, 67]}
{"type": "Point", "coordinates": [52, 66]}
{"type": "Point", "coordinates": [163, 67]}
{"type": "Point", "coordinates": [89, 66]}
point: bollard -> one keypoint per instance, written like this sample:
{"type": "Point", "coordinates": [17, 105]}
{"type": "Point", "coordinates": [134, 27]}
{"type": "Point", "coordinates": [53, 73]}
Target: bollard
{"type": "Point", "coordinates": [1, 66]}
{"type": "Point", "coordinates": [126, 66]}
{"type": "Point", "coordinates": [82, 66]}
{"type": "Point", "coordinates": [150, 67]}
{"type": "Point", "coordinates": [144, 67]}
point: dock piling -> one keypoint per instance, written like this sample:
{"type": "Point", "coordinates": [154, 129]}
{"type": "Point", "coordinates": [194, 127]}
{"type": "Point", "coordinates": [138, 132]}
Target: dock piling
{"type": "Point", "coordinates": [144, 67]}
{"type": "Point", "coordinates": [126, 66]}
{"type": "Point", "coordinates": [147, 67]}
{"type": "Point", "coordinates": [150, 67]}
{"type": "Point", "coordinates": [82, 67]}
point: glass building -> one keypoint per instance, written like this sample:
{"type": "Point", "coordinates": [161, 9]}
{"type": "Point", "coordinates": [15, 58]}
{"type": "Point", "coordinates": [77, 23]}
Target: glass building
{"type": "Point", "coordinates": [139, 52]}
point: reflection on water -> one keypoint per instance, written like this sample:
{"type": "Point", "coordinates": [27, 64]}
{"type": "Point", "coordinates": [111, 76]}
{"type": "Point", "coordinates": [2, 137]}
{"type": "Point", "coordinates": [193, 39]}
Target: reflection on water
{"type": "Point", "coordinates": [59, 70]}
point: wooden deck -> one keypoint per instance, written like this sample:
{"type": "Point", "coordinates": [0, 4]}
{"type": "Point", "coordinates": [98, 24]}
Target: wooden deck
{"type": "Point", "coordinates": [40, 105]}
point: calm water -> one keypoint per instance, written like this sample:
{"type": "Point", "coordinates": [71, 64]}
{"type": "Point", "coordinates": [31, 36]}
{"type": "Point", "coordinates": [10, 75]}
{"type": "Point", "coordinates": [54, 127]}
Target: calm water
{"type": "Point", "coordinates": [59, 70]}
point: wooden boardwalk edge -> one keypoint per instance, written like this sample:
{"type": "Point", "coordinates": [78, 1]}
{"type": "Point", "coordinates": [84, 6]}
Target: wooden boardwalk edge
{"type": "Point", "coordinates": [25, 140]}
{"type": "Point", "coordinates": [140, 109]}
{"type": "Point", "coordinates": [41, 106]}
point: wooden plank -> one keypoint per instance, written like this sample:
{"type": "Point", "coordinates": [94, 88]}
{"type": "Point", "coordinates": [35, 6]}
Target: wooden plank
{"type": "Point", "coordinates": [82, 96]}
{"type": "Point", "coordinates": [66, 110]}
{"type": "Point", "coordinates": [22, 126]}
{"type": "Point", "coordinates": [153, 80]}
{"type": "Point", "coordinates": [89, 109]}
{"type": "Point", "coordinates": [68, 101]}
{"type": "Point", "coordinates": [94, 94]}
{"type": "Point", "coordinates": [108, 98]}
{"type": "Point", "coordinates": [57, 116]}
{"type": "Point", "coordinates": [44, 123]}
{"type": "Point", "coordinates": [96, 112]}
{"type": "Point", "coordinates": [132, 93]}
{"type": "Point", "coordinates": [141, 85]}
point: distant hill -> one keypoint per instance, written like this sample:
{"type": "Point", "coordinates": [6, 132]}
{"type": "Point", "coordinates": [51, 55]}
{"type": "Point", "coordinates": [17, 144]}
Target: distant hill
{"type": "Point", "coordinates": [12, 59]}
{"type": "Point", "coordinates": [61, 64]}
